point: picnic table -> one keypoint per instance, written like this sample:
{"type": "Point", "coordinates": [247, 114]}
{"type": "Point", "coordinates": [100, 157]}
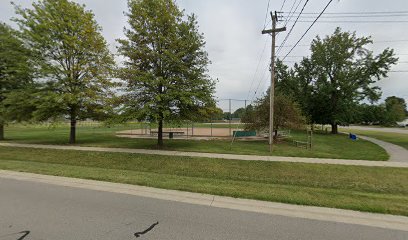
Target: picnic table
{"type": "Point", "coordinates": [170, 133]}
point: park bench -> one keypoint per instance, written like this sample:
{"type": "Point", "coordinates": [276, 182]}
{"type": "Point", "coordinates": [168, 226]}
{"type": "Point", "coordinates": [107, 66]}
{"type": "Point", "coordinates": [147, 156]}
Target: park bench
{"type": "Point", "coordinates": [284, 134]}
{"type": "Point", "coordinates": [170, 133]}
{"type": "Point", "coordinates": [301, 144]}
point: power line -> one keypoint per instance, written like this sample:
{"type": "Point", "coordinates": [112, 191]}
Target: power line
{"type": "Point", "coordinates": [346, 13]}
{"type": "Point", "coordinates": [385, 41]}
{"type": "Point", "coordinates": [300, 56]}
{"type": "Point", "coordinates": [324, 9]}
{"type": "Point", "coordinates": [374, 42]}
{"type": "Point", "coordinates": [358, 16]}
{"type": "Point", "coordinates": [257, 67]}
{"type": "Point", "coordinates": [291, 29]}
{"type": "Point", "coordinates": [283, 4]}
{"type": "Point", "coordinates": [262, 79]}
{"type": "Point", "coordinates": [293, 61]}
{"type": "Point", "coordinates": [356, 21]}
{"type": "Point", "coordinates": [291, 14]}
{"type": "Point", "coordinates": [266, 16]}
{"type": "Point", "coordinates": [262, 52]}
{"type": "Point", "coordinates": [293, 56]}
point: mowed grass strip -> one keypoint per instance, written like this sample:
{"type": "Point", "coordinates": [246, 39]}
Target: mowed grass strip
{"type": "Point", "coordinates": [324, 145]}
{"type": "Point", "coordinates": [373, 189]}
{"type": "Point", "coordinates": [400, 139]}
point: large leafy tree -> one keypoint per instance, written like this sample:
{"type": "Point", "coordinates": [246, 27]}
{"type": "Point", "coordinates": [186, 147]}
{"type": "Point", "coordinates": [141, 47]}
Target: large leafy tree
{"type": "Point", "coordinates": [340, 73]}
{"type": "Point", "coordinates": [72, 57]}
{"type": "Point", "coordinates": [165, 65]}
{"type": "Point", "coordinates": [16, 71]}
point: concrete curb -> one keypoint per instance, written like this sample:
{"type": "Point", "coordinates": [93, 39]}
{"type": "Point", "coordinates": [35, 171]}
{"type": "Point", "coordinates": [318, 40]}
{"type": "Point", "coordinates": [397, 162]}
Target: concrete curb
{"type": "Point", "coordinates": [216, 155]}
{"type": "Point", "coordinates": [297, 211]}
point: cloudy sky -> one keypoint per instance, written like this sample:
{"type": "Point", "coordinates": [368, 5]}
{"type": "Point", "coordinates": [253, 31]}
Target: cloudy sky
{"type": "Point", "coordinates": [240, 53]}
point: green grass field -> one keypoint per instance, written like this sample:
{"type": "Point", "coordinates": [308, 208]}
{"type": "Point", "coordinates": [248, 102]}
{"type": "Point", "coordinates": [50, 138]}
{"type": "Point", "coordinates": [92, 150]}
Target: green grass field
{"type": "Point", "coordinates": [325, 145]}
{"type": "Point", "coordinates": [372, 189]}
{"type": "Point", "coordinates": [400, 139]}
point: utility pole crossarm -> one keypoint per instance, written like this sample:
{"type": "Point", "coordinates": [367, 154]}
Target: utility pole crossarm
{"type": "Point", "coordinates": [269, 31]}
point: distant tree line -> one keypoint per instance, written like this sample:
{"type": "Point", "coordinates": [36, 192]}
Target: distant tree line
{"type": "Point", "coordinates": [390, 112]}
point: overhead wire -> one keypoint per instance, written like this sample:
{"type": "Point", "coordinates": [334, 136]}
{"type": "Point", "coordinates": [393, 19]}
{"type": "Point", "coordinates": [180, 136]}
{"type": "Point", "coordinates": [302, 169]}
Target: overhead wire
{"type": "Point", "coordinates": [257, 67]}
{"type": "Point", "coordinates": [291, 29]}
{"type": "Point", "coordinates": [266, 15]}
{"type": "Point", "coordinates": [357, 21]}
{"type": "Point", "coordinates": [356, 16]}
{"type": "Point", "coordinates": [262, 78]}
{"type": "Point", "coordinates": [259, 61]}
{"type": "Point", "coordinates": [261, 53]}
{"type": "Point", "coordinates": [292, 13]}
{"type": "Point", "coordinates": [300, 39]}
{"type": "Point", "coordinates": [347, 13]}
{"type": "Point", "coordinates": [283, 4]}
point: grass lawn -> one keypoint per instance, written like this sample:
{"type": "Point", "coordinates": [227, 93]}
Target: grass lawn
{"type": "Point", "coordinates": [325, 145]}
{"type": "Point", "coordinates": [400, 139]}
{"type": "Point", "coordinates": [372, 189]}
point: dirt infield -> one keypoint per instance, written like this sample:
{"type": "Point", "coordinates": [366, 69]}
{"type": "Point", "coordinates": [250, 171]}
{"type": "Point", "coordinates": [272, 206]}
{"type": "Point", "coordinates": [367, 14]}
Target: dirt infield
{"type": "Point", "coordinates": [194, 132]}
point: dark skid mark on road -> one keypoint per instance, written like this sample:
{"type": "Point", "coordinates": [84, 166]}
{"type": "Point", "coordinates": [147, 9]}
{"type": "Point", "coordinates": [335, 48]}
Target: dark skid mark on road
{"type": "Point", "coordinates": [25, 235]}
{"type": "Point", "coordinates": [20, 238]}
{"type": "Point", "coordinates": [137, 234]}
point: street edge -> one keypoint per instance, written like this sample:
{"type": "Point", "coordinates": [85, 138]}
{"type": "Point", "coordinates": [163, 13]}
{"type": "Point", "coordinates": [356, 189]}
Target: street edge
{"type": "Point", "coordinates": [297, 211]}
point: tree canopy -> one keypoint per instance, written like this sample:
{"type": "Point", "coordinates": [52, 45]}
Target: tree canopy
{"type": "Point", "coordinates": [338, 75]}
{"type": "Point", "coordinates": [16, 70]}
{"type": "Point", "coordinates": [72, 57]}
{"type": "Point", "coordinates": [165, 67]}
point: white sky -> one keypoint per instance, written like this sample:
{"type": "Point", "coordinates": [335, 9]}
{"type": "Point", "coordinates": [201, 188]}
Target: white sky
{"type": "Point", "coordinates": [232, 30]}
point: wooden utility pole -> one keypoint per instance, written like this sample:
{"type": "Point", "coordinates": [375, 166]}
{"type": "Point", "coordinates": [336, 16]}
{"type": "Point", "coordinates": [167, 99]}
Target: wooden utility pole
{"type": "Point", "coordinates": [273, 32]}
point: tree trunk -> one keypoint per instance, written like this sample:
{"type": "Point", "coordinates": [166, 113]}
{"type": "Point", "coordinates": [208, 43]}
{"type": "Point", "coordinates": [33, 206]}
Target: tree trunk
{"type": "Point", "coordinates": [1, 132]}
{"type": "Point", "coordinates": [334, 128]}
{"type": "Point", "coordinates": [160, 134]}
{"type": "Point", "coordinates": [72, 133]}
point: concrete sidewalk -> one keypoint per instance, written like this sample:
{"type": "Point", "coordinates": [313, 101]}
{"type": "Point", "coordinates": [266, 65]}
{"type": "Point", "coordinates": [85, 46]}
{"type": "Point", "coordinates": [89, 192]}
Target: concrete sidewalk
{"type": "Point", "coordinates": [217, 155]}
{"type": "Point", "coordinates": [397, 153]}
{"type": "Point", "coordinates": [280, 209]}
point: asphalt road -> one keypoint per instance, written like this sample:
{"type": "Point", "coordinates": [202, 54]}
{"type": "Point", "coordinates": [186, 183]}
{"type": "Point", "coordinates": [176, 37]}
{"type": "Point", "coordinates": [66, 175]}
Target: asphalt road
{"type": "Point", "coordinates": [32, 211]}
